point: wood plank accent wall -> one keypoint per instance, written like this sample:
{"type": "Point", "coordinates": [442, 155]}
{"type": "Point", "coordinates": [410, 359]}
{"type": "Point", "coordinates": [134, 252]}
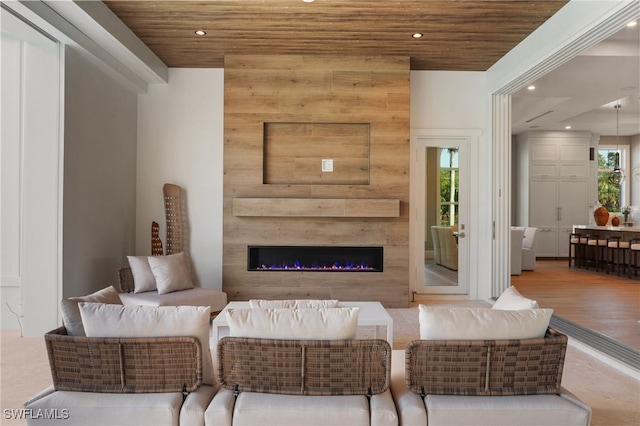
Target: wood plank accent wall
{"type": "Point", "coordinates": [316, 89]}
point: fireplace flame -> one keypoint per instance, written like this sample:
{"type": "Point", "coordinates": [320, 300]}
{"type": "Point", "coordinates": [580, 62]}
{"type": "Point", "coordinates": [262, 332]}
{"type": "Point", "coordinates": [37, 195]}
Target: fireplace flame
{"type": "Point", "coordinates": [337, 266]}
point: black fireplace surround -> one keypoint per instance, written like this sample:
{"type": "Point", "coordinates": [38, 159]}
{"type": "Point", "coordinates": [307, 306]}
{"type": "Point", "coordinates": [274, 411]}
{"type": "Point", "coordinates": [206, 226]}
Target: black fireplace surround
{"type": "Point", "coordinates": [314, 258]}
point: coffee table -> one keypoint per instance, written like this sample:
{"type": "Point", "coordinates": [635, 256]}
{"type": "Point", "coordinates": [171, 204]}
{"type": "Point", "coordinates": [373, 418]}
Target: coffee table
{"type": "Point", "coordinates": [371, 314]}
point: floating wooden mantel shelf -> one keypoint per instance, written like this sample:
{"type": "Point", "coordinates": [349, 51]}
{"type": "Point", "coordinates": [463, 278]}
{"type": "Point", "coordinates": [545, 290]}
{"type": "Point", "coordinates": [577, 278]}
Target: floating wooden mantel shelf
{"type": "Point", "coordinates": [316, 207]}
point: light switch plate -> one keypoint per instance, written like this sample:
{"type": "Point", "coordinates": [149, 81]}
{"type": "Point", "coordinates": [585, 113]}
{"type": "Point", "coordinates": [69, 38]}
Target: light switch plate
{"type": "Point", "coordinates": [327, 165]}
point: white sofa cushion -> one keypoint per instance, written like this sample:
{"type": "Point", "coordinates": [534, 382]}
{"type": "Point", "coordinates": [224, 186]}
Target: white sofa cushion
{"type": "Point", "coordinates": [282, 304]}
{"type": "Point", "coordinates": [71, 313]}
{"type": "Point", "coordinates": [281, 410]}
{"type": "Point", "coordinates": [531, 410]}
{"type": "Point", "coordinates": [410, 406]}
{"type": "Point", "coordinates": [171, 273]}
{"type": "Point", "coordinates": [143, 279]}
{"type": "Point", "coordinates": [196, 296]}
{"type": "Point", "coordinates": [512, 300]}
{"type": "Point", "coordinates": [304, 324]}
{"type": "Point", "coordinates": [108, 409]}
{"type": "Point", "coordinates": [195, 404]}
{"type": "Point", "coordinates": [442, 323]}
{"type": "Point", "coordinates": [102, 320]}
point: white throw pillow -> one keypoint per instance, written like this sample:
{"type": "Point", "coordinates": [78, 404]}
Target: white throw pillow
{"type": "Point", "coordinates": [291, 323]}
{"type": "Point", "coordinates": [71, 313]}
{"type": "Point", "coordinates": [170, 272]}
{"type": "Point", "coordinates": [283, 304]}
{"type": "Point", "coordinates": [102, 320]}
{"type": "Point", "coordinates": [512, 300]}
{"type": "Point", "coordinates": [143, 279]}
{"type": "Point", "coordinates": [439, 323]}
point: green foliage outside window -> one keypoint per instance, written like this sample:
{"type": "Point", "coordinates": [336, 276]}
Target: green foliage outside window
{"type": "Point", "coordinates": [609, 194]}
{"type": "Point", "coordinates": [449, 192]}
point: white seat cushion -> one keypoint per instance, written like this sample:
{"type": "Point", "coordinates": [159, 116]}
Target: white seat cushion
{"type": "Point", "coordinates": [94, 408]}
{"type": "Point", "coordinates": [548, 410]}
{"type": "Point", "coordinates": [195, 405]}
{"type": "Point", "coordinates": [281, 410]}
{"type": "Point", "coordinates": [197, 296]}
{"type": "Point", "coordinates": [410, 406]}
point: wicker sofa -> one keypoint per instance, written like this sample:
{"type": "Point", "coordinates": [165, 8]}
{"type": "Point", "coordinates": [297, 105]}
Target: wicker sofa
{"type": "Point", "coordinates": [300, 363]}
{"type": "Point", "coordinates": [295, 382]}
{"type": "Point", "coordinates": [127, 365]}
{"type": "Point", "coordinates": [122, 381]}
{"type": "Point", "coordinates": [506, 381]}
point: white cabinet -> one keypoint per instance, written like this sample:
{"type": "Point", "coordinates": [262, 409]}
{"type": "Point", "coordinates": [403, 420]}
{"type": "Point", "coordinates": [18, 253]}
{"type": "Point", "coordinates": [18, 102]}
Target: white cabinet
{"type": "Point", "coordinates": [551, 187]}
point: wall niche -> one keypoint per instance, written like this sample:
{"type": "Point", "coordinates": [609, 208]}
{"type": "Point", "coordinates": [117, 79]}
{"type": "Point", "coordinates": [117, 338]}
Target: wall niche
{"type": "Point", "coordinates": [316, 153]}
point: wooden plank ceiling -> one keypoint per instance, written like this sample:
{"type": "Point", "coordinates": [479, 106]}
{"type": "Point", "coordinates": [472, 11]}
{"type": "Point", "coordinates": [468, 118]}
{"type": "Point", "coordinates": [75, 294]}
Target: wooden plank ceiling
{"type": "Point", "coordinates": [458, 35]}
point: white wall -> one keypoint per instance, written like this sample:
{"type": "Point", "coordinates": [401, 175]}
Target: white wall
{"type": "Point", "coordinates": [99, 176]}
{"type": "Point", "coordinates": [180, 141]}
{"type": "Point", "coordinates": [458, 101]}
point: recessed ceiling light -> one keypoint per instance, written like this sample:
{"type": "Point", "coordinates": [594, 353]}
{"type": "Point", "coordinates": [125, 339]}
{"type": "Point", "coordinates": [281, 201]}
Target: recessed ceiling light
{"type": "Point", "coordinates": [308, 1]}
{"type": "Point", "coordinates": [632, 24]}
{"type": "Point", "coordinates": [417, 35]}
{"type": "Point", "coordinates": [567, 127]}
{"type": "Point", "coordinates": [201, 32]}
{"type": "Point", "coordinates": [532, 87]}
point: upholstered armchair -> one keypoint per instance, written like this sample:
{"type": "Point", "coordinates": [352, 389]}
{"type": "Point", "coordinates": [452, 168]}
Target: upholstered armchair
{"type": "Point", "coordinates": [445, 247]}
{"type": "Point", "coordinates": [517, 237]}
{"type": "Point", "coordinates": [527, 248]}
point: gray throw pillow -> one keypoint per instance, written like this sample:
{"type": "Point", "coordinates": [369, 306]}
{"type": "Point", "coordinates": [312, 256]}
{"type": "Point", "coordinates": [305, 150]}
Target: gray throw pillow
{"type": "Point", "coordinates": [71, 313]}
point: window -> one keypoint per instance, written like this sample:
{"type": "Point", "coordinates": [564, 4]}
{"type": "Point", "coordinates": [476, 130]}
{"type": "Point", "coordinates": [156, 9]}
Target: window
{"type": "Point", "coordinates": [449, 186]}
{"type": "Point", "coordinates": [611, 195]}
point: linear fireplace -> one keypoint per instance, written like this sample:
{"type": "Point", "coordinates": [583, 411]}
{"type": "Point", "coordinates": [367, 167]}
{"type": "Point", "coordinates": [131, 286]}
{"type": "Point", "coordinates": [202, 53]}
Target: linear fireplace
{"type": "Point", "coordinates": [314, 258]}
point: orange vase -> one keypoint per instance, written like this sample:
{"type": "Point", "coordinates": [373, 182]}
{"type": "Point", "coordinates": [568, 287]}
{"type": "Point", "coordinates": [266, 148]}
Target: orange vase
{"type": "Point", "coordinates": [601, 216]}
{"type": "Point", "coordinates": [615, 221]}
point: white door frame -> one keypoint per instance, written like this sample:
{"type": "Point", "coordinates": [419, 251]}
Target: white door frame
{"type": "Point", "coordinates": [467, 140]}
{"type": "Point", "coordinates": [611, 16]}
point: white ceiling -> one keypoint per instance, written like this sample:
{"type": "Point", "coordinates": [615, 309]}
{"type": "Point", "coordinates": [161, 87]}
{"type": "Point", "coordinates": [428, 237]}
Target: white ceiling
{"type": "Point", "coordinates": [582, 92]}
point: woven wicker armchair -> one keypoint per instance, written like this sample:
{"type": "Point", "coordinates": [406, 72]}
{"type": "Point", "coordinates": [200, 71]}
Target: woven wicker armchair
{"type": "Point", "coordinates": [126, 381]}
{"type": "Point", "coordinates": [311, 382]}
{"type": "Point", "coordinates": [485, 382]}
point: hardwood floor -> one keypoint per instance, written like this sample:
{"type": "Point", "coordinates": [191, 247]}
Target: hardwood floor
{"type": "Point", "coordinates": [604, 303]}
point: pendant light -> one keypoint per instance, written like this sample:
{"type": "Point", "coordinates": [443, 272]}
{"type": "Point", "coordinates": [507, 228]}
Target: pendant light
{"type": "Point", "coordinates": [617, 175]}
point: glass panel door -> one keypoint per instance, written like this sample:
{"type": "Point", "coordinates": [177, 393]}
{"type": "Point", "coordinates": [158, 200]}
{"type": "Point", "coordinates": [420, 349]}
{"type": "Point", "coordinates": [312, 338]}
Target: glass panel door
{"type": "Point", "coordinates": [441, 216]}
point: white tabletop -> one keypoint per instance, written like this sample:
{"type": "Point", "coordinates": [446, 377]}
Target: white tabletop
{"type": "Point", "coordinates": [371, 314]}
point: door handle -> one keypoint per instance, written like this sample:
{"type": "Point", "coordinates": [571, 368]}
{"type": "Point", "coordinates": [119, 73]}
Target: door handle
{"type": "Point", "coordinates": [461, 235]}
{"type": "Point", "coordinates": [559, 211]}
